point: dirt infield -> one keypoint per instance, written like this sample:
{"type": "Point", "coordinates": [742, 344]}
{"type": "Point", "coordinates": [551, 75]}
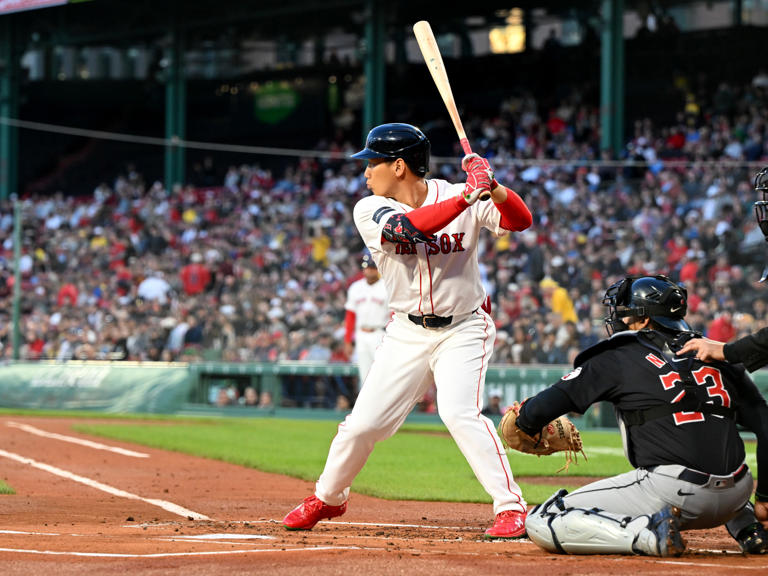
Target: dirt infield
{"type": "Point", "coordinates": [87, 509]}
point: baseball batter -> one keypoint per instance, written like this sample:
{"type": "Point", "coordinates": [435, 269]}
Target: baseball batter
{"type": "Point", "coordinates": [423, 235]}
{"type": "Point", "coordinates": [367, 314]}
{"type": "Point", "coordinates": [678, 418]}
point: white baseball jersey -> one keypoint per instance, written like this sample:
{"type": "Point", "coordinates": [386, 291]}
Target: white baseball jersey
{"type": "Point", "coordinates": [370, 304]}
{"type": "Point", "coordinates": [441, 278]}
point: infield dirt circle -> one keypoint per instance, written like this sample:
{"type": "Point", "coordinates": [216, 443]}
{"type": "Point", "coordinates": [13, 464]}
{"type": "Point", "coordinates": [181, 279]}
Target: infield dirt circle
{"type": "Point", "coordinates": [105, 507]}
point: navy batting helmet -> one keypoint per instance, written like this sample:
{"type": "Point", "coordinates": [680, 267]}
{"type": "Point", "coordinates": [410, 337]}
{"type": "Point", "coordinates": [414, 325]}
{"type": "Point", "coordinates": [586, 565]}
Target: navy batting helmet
{"type": "Point", "coordinates": [395, 141]}
{"type": "Point", "coordinates": [656, 297]}
{"type": "Point", "coordinates": [368, 262]}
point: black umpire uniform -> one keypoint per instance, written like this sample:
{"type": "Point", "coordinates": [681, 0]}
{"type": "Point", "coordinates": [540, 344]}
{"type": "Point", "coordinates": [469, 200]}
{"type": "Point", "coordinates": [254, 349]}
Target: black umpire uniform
{"type": "Point", "coordinates": [751, 350]}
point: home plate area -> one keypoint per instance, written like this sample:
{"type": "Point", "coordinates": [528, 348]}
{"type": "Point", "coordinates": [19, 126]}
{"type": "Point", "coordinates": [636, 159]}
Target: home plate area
{"type": "Point", "coordinates": [85, 507]}
{"type": "Point", "coordinates": [201, 538]}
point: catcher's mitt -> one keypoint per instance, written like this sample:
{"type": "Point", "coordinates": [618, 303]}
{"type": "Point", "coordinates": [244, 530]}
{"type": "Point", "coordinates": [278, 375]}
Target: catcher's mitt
{"type": "Point", "coordinates": [560, 435]}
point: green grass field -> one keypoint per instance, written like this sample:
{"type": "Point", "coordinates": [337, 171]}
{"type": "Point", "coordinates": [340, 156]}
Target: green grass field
{"type": "Point", "coordinates": [5, 489]}
{"type": "Point", "coordinates": [421, 462]}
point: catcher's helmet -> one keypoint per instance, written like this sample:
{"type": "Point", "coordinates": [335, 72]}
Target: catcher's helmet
{"type": "Point", "coordinates": [395, 141]}
{"type": "Point", "coordinates": [656, 297]}
{"type": "Point", "coordinates": [761, 206]}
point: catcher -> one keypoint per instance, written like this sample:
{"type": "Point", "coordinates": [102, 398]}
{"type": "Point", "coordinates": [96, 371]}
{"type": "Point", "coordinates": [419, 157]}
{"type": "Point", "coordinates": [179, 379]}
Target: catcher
{"type": "Point", "coordinates": [678, 419]}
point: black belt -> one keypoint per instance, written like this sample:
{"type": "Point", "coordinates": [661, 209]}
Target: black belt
{"type": "Point", "coordinates": [431, 320]}
{"type": "Point", "coordinates": [702, 479]}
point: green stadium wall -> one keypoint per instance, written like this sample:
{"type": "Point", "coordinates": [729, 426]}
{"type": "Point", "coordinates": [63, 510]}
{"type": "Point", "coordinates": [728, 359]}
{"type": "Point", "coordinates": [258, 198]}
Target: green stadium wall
{"type": "Point", "coordinates": [178, 388]}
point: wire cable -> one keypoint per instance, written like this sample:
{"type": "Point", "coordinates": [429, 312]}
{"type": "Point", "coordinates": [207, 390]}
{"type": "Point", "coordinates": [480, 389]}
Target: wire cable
{"type": "Point", "coordinates": [293, 152]}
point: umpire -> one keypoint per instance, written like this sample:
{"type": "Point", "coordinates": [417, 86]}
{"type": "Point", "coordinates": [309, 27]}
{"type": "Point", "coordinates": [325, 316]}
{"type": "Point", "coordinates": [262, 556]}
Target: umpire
{"type": "Point", "coordinates": [752, 349]}
{"type": "Point", "coordinates": [678, 418]}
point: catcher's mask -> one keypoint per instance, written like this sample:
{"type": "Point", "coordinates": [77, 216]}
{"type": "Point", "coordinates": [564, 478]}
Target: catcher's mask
{"type": "Point", "coordinates": [654, 297]}
{"type": "Point", "coordinates": [761, 207]}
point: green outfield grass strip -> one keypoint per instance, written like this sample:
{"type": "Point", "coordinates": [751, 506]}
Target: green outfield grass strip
{"type": "Point", "coordinates": [421, 462]}
{"type": "Point", "coordinates": [6, 489]}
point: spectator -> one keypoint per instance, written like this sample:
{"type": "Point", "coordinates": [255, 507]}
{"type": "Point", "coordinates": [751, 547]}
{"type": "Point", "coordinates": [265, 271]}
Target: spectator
{"type": "Point", "coordinates": [556, 298]}
{"type": "Point", "coordinates": [721, 328]}
{"type": "Point", "coordinates": [250, 397]}
{"type": "Point", "coordinates": [269, 264]}
{"type": "Point", "coordinates": [195, 276]}
{"type": "Point", "coordinates": [154, 288]}
{"type": "Point", "coordinates": [495, 403]}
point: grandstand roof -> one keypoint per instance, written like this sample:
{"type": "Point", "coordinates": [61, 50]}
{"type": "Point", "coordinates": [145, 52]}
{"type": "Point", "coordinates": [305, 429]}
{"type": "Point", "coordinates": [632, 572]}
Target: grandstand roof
{"type": "Point", "coordinates": [127, 21]}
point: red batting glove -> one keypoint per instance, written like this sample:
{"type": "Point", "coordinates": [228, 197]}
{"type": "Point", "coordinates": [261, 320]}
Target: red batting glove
{"type": "Point", "coordinates": [479, 178]}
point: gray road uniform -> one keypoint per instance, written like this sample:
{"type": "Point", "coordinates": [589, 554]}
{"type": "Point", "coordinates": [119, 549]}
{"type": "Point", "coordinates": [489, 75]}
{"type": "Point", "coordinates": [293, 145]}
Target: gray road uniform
{"type": "Point", "coordinates": [678, 419]}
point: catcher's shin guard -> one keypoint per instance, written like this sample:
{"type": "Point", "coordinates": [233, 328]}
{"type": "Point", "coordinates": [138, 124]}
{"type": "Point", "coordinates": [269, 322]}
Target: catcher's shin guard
{"type": "Point", "coordinates": [552, 505]}
{"type": "Point", "coordinates": [579, 531]}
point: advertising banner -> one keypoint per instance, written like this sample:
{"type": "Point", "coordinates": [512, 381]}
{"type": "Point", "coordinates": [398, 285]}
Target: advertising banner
{"type": "Point", "coordinates": [99, 386]}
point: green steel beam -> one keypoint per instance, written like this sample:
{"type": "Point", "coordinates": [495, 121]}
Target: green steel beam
{"type": "Point", "coordinates": [16, 312]}
{"type": "Point", "coordinates": [9, 106]}
{"type": "Point", "coordinates": [612, 77]}
{"type": "Point", "coordinates": [175, 109]}
{"type": "Point", "coordinates": [375, 66]}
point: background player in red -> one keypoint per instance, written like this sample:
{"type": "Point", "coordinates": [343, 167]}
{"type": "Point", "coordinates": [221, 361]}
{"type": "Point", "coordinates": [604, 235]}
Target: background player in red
{"type": "Point", "coordinates": [678, 418]}
{"type": "Point", "coordinates": [423, 235]}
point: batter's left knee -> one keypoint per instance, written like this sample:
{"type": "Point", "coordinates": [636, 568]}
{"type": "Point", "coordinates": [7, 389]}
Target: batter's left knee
{"type": "Point", "coordinates": [370, 430]}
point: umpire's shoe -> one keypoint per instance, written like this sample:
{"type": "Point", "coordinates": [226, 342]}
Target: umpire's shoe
{"type": "Point", "coordinates": [310, 512]}
{"type": "Point", "coordinates": [508, 524]}
{"type": "Point", "coordinates": [753, 539]}
{"type": "Point", "coordinates": [666, 525]}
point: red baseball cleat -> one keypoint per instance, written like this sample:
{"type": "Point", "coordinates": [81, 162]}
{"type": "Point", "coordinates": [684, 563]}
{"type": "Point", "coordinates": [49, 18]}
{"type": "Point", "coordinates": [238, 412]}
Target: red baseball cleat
{"type": "Point", "coordinates": [508, 524]}
{"type": "Point", "coordinates": [310, 512]}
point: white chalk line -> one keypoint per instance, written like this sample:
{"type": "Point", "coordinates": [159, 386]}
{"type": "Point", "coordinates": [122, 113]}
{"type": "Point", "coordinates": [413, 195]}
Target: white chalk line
{"type": "Point", "coordinates": [176, 554]}
{"type": "Point", "coordinates": [165, 505]}
{"type": "Point", "coordinates": [224, 537]}
{"type": "Point", "coordinates": [213, 539]}
{"type": "Point", "coordinates": [368, 524]}
{"type": "Point", "coordinates": [186, 541]}
{"type": "Point", "coordinates": [31, 533]}
{"type": "Point", "coordinates": [385, 525]}
{"type": "Point", "coordinates": [716, 551]}
{"type": "Point", "coordinates": [74, 440]}
{"type": "Point", "coordinates": [708, 565]}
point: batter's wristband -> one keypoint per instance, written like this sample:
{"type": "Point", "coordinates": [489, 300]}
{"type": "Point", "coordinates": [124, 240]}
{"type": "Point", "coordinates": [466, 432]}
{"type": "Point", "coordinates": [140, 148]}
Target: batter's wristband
{"type": "Point", "coordinates": [762, 496]}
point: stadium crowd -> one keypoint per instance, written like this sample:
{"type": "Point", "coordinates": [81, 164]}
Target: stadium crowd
{"type": "Point", "coordinates": [256, 269]}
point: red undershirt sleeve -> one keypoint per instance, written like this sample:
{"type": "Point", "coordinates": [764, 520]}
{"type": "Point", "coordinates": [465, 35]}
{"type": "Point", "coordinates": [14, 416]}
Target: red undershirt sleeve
{"type": "Point", "coordinates": [430, 219]}
{"type": "Point", "coordinates": [515, 215]}
{"type": "Point", "coordinates": [349, 326]}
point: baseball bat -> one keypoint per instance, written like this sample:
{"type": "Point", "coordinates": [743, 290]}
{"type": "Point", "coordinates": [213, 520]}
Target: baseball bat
{"type": "Point", "coordinates": [431, 53]}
